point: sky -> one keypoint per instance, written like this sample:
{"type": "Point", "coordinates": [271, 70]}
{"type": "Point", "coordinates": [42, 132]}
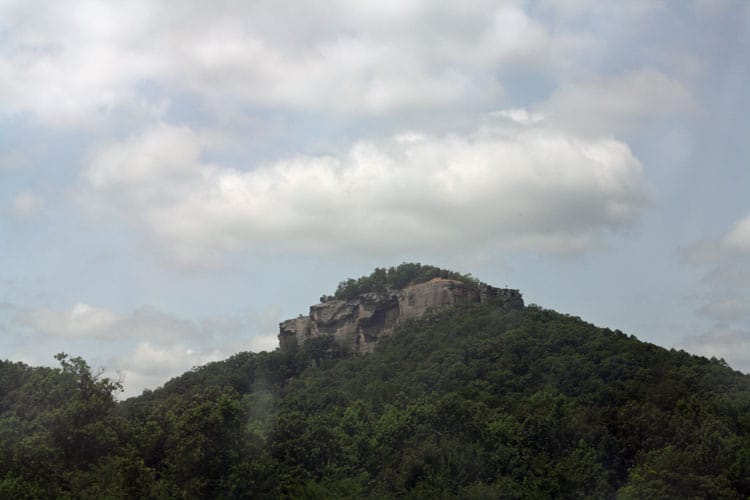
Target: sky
{"type": "Point", "coordinates": [176, 178]}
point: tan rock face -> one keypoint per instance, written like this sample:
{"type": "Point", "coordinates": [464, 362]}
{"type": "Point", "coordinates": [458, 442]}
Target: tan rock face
{"type": "Point", "coordinates": [360, 323]}
{"type": "Point", "coordinates": [434, 295]}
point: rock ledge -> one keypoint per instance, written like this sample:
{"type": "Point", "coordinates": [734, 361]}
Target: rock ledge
{"type": "Point", "coordinates": [360, 323]}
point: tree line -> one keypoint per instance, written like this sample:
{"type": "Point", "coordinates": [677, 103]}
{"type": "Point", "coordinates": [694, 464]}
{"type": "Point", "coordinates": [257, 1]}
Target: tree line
{"type": "Point", "coordinates": [474, 402]}
{"type": "Point", "coordinates": [394, 278]}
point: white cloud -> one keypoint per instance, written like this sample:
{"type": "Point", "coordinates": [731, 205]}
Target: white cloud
{"type": "Point", "coordinates": [165, 348]}
{"type": "Point", "coordinates": [147, 359]}
{"type": "Point", "coordinates": [618, 11]}
{"type": "Point", "coordinates": [148, 366]}
{"type": "Point", "coordinates": [11, 160]}
{"type": "Point", "coordinates": [26, 204]}
{"type": "Point", "coordinates": [75, 63]}
{"type": "Point", "coordinates": [730, 344]}
{"type": "Point", "coordinates": [726, 310]}
{"type": "Point", "coordinates": [165, 152]}
{"type": "Point", "coordinates": [145, 346]}
{"type": "Point", "coordinates": [733, 247]}
{"type": "Point", "coordinates": [520, 116]}
{"type": "Point", "coordinates": [82, 320]}
{"type": "Point", "coordinates": [738, 238]}
{"type": "Point", "coordinates": [86, 321]}
{"type": "Point", "coordinates": [725, 265]}
{"type": "Point", "coordinates": [508, 187]}
{"type": "Point", "coordinates": [600, 106]}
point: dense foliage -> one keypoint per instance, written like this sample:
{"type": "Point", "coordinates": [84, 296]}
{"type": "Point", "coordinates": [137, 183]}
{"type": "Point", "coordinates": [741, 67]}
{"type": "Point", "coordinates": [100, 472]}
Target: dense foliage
{"type": "Point", "coordinates": [472, 403]}
{"type": "Point", "coordinates": [395, 278]}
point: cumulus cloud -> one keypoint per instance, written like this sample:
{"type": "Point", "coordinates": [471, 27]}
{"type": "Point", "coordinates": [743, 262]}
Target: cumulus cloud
{"type": "Point", "coordinates": [163, 153]}
{"type": "Point", "coordinates": [82, 320]}
{"type": "Point", "coordinates": [167, 347]}
{"type": "Point", "coordinates": [148, 365]}
{"type": "Point", "coordinates": [152, 345]}
{"type": "Point", "coordinates": [508, 187]}
{"type": "Point", "coordinates": [726, 310]}
{"type": "Point", "coordinates": [732, 246]}
{"type": "Point", "coordinates": [519, 115]}
{"type": "Point", "coordinates": [576, 9]}
{"type": "Point", "coordinates": [75, 63]}
{"type": "Point", "coordinates": [26, 204]}
{"type": "Point", "coordinates": [724, 262]}
{"type": "Point", "coordinates": [730, 344]}
{"type": "Point", "coordinates": [737, 240]}
{"type": "Point", "coordinates": [725, 259]}
{"type": "Point", "coordinates": [71, 63]}
{"type": "Point", "coordinates": [617, 103]}
{"type": "Point", "coordinates": [11, 160]}
{"type": "Point", "coordinates": [87, 321]}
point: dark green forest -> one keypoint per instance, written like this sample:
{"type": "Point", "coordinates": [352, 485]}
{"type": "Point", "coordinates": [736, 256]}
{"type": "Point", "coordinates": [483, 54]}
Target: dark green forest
{"type": "Point", "coordinates": [474, 402]}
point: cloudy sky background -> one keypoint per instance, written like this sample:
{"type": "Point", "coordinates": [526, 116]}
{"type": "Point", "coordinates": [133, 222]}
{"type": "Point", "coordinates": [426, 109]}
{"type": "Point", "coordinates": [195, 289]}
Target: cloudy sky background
{"type": "Point", "coordinates": [178, 177]}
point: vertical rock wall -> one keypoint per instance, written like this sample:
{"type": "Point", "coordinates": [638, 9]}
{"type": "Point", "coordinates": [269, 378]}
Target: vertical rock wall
{"type": "Point", "coordinates": [360, 323]}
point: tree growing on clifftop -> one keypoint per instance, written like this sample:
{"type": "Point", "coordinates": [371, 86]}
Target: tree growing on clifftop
{"type": "Point", "coordinates": [396, 278]}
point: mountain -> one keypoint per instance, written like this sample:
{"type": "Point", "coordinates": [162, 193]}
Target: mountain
{"type": "Point", "coordinates": [472, 400]}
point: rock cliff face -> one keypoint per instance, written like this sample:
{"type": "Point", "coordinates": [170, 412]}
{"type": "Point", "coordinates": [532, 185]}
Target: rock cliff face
{"type": "Point", "coordinates": [360, 323]}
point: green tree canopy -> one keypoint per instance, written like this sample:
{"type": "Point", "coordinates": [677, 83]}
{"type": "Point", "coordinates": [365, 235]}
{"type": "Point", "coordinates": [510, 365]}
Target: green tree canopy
{"type": "Point", "coordinates": [395, 278]}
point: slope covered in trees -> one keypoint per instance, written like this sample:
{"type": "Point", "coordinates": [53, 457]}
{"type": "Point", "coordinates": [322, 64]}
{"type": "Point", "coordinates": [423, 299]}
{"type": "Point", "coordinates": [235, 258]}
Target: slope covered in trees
{"type": "Point", "coordinates": [474, 402]}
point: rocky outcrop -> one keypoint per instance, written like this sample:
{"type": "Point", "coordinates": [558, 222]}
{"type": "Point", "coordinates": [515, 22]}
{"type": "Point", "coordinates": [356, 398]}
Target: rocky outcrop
{"type": "Point", "coordinates": [360, 323]}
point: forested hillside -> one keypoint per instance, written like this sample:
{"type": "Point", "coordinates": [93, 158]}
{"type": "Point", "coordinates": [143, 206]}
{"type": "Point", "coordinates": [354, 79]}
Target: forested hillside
{"type": "Point", "coordinates": [474, 402]}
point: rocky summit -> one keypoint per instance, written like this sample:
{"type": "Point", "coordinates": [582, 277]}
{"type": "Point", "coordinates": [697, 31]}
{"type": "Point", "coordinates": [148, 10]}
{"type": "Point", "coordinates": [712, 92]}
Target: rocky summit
{"type": "Point", "coordinates": [358, 324]}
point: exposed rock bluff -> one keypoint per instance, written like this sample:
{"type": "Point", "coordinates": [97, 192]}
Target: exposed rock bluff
{"type": "Point", "coordinates": [360, 323]}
